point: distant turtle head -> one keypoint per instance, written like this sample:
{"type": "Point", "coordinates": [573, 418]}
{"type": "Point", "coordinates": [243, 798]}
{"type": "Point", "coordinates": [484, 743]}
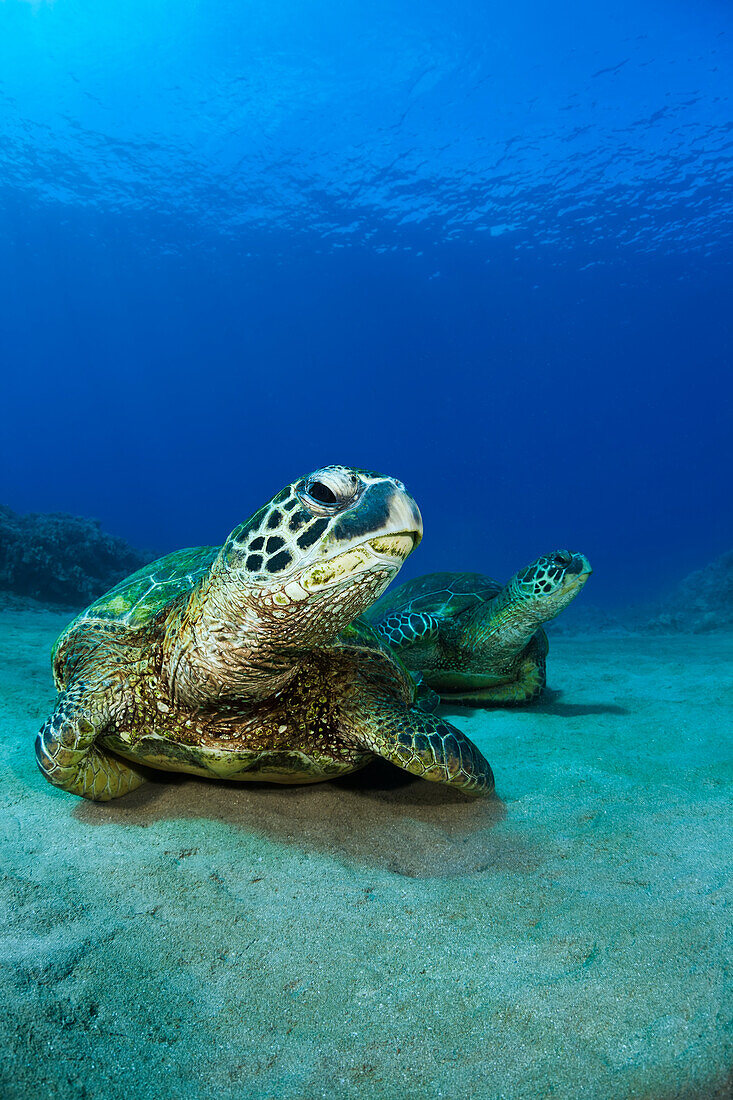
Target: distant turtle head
{"type": "Point", "coordinates": [323, 549]}
{"type": "Point", "coordinates": [551, 582]}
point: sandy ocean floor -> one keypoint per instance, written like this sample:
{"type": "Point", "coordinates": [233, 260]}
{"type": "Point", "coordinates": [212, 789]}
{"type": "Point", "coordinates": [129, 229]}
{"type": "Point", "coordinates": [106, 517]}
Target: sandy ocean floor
{"type": "Point", "coordinates": [380, 936]}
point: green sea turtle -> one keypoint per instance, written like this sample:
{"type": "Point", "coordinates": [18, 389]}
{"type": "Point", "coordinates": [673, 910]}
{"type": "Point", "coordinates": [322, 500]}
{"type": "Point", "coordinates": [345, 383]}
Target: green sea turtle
{"type": "Point", "coordinates": [474, 641]}
{"type": "Point", "coordinates": [244, 661]}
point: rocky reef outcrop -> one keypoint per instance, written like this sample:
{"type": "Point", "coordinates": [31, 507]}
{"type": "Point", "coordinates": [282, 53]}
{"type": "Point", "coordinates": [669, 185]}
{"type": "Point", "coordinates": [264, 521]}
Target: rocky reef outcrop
{"type": "Point", "coordinates": [702, 602]}
{"type": "Point", "coordinates": [61, 559]}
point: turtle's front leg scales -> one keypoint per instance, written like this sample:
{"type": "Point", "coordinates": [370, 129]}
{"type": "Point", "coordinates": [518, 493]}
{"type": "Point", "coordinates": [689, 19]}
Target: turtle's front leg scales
{"type": "Point", "coordinates": [69, 758]}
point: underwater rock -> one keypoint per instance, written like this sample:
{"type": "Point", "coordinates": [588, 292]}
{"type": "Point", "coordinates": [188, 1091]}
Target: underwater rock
{"type": "Point", "coordinates": [702, 602]}
{"type": "Point", "coordinates": [61, 559]}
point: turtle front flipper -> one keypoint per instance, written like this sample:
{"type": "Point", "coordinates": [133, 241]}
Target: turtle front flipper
{"type": "Point", "coordinates": [408, 628]}
{"type": "Point", "coordinates": [69, 758]}
{"type": "Point", "coordinates": [420, 742]}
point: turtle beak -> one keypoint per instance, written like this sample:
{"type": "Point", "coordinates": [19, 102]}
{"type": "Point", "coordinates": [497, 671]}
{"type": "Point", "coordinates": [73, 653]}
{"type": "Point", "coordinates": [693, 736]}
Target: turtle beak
{"type": "Point", "coordinates": [576, 573]}
{"type": "Point", "coordinates": [402, 530]}
{"type": "Point", "coordinates": [404, 522]}
{"type": "Point", "coordinates": [404, 516]}
{"type": "Point", "coordinates": [386, 514]}
{"type": "Point", "coordinates": [580, 566]}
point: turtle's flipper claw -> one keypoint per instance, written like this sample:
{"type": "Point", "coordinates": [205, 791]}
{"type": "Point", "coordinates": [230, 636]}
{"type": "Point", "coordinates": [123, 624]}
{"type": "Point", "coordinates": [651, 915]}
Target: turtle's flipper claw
{"type": "Point", "coordinates": [69, 758]}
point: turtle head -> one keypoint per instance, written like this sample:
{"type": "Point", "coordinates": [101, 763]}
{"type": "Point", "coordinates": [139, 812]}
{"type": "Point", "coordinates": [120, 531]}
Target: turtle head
{"type": "Point", "coordinates": [324, 549]}
{"type": "Point", "coordinates": [550, 583]}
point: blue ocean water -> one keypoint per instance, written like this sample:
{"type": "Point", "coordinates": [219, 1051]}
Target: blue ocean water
{"type": "Point", "coordinates": [484, 248]}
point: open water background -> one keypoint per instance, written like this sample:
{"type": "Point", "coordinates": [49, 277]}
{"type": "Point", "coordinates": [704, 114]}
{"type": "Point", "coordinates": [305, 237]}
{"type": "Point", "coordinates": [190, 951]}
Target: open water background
{"type": "Point", "coordinates": [485, 248]}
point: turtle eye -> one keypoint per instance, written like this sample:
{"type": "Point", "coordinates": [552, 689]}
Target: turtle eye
{"type": "Point", "coordinates": [322, 493]}
{"type": "Point", "coordinates": [330, 489]}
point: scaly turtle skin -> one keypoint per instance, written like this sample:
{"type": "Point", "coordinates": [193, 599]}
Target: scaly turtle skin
{"type": "Point", "coordinates": [473, 641]}
{"type": "Point", "coordinates": [245, 661]}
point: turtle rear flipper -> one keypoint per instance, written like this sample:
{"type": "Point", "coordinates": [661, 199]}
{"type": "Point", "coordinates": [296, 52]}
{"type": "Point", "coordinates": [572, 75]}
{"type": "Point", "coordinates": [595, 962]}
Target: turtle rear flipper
{"type": "Point", "coordinates": [69, 758]}
{"type": "Point", "coordinates": [419, 742]}
{"type": "Point", "coordinates": [525, 685]}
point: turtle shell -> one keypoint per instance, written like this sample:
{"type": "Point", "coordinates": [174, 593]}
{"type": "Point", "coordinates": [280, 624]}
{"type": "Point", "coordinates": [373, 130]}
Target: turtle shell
{"type": "Point", "coordinates": [445, 595]}
{"type": "Point", "coordinates": [134, 603]}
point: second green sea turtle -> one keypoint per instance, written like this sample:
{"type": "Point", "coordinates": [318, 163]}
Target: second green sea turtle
{"type": "Point", "coordinates": [474, 641]}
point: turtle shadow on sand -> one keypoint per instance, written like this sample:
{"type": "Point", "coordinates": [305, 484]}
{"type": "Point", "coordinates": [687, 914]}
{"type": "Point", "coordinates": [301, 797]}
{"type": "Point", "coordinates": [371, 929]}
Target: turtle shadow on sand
{"type": "Point", "coordinates": [550, 702]}
{"type": "Point", "coordinates": [379, 817]}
